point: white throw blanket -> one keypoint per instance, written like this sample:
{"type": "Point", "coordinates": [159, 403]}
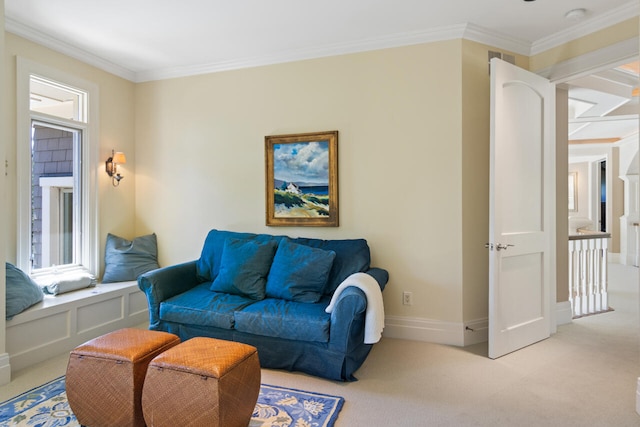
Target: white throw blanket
{"type": "Point", "coordinates": [374, 314]}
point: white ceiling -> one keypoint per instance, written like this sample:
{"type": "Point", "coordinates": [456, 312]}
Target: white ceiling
{"type": "Point", "coordinates": [144, 40]}
{"type": "Point", "coordinates": [150, 39]}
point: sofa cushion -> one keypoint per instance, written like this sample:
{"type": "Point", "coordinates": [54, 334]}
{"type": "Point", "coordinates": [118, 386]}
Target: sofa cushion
{"type": "Point", "coordinates": [244, 266]}
{"type": "Point", "coordinates": [199, 306]}
{"type": "Point", "coordinates": [299, 273]}
{"type": "Point", "coordinates": [125, 260]}
{"type": "Point", "coordinates": [285, 319]}
{"type": "Point", "coordinates": [208, 265]}
{"type": "Point", "coordinates": [352, 256]}
{"type": "Point", "coordinates": [21, 291]}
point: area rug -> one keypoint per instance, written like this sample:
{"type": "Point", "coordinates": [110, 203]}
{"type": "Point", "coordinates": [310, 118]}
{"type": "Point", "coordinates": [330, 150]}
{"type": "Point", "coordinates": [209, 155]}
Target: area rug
{"type": "Point", "coordinates": [47, 406]}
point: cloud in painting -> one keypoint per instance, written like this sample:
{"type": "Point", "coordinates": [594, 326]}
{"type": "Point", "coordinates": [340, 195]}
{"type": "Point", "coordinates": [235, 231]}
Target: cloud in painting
{"type": "Point", "coordinates": [302, 162]}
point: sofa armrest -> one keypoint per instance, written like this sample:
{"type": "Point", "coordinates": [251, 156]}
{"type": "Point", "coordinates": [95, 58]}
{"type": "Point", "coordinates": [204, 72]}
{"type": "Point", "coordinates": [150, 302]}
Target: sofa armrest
{"type": "Point", "coordinates": [347, 320]}
{"type": "Point", "coordinates": [349, 312]}
{"type": "Point", "coordinates": [164, 283]}
{"type": "Point", "coordinates": [381, 276]}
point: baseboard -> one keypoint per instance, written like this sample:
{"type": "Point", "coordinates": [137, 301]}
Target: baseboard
{"type": "Point", "coordinates": [436, 331]}
{"type": "Point", "coordinates": [453, 333]}
{"type": "Point", "coordinates": [564, 314]}
{"type": "Point", "coordinates": [427, 330]}
{"type": "Point", "coordinates": [5, 369]}
{"type": "Point", "coordinates": [476, 331]}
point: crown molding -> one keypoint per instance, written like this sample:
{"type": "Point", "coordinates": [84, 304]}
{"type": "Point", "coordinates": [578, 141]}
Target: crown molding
{"type": "Point", "coordinates": [613, 17]}
{"type": "Point", "coordinates": [335, 49]}
{"type": "Point", "coordinates": [495, 39]}
{"type": "Point", "coordinates": [467, 31]}
{"type": "Point", "coordinates": [47, 41]}
{"type": "Point", "coordinates": [463, 31]}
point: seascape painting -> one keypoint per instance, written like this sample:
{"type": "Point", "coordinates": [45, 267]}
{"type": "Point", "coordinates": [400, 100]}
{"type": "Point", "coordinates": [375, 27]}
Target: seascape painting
{"type": "Point", "coordinates": [301, 179]}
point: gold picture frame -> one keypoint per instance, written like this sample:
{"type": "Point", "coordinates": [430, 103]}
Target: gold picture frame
{"type": "Point", "coordinates": [302, 179]}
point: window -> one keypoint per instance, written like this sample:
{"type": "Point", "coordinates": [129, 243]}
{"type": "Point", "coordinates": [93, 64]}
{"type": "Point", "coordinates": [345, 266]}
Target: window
{"type": "Point", "coordinates": [57, 215]}
{"type": "Point", "coordinates": [55, 176]}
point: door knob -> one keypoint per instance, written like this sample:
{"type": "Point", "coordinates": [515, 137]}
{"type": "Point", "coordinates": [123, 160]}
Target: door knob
{"type": "Point", "coordinates": [500, 246]}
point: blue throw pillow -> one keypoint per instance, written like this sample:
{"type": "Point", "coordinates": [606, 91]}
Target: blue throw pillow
{"type": "Point", "coordinates": [244, 266]}
{"type": "Point", "coordinates": [352, 256]}
{"type": "Point", "coordinates": [299, 273]}
{"type": "Point", "coordinates": [208, 265]}
{"type": "Point", "coordinates": [22, 292]}
{"type": "Point", "coordinates": [125, 260]}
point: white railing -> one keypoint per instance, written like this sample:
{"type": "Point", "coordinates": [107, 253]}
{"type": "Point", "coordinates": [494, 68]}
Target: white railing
{"type": "Point", "coordinates": [588, 276]}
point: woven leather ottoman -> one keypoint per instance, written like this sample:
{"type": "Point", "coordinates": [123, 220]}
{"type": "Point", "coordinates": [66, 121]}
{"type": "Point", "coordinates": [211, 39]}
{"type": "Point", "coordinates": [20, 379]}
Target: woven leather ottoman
{"type": "Point", "coordinates": [203, 382]}
{"type": "Point", "coordinates": [105, 376]}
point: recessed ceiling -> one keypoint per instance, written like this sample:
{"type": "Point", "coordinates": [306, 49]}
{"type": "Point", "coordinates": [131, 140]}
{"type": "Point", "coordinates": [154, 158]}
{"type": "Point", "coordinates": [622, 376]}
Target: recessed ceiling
{"type": "Point", "coordinates": [150, 39]}
{"type": "Point", "coordinates": [603, 107]}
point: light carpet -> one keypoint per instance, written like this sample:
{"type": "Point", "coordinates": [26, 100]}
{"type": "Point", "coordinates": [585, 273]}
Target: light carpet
{"type": "Point", "coordinates": [47, 406]}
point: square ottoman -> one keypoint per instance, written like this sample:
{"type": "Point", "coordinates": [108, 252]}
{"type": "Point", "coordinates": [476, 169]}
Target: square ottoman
{"type": "Point", "coordinates": [105, 376]}
{"type": "Point", "coordinates": [202, 382]}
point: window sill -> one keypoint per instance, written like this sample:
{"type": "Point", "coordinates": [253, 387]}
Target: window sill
{"type": "Point", "coordinates": [50, 302]}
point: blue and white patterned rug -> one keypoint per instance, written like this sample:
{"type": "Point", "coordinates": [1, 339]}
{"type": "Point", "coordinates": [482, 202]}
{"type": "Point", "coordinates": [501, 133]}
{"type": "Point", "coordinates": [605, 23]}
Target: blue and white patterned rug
{"type": "Point", "coordinates": [47, 406]}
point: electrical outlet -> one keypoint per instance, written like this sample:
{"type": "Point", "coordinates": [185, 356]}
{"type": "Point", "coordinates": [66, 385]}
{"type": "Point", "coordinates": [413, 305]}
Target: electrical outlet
{"type": "Point", "coordinates": [407, 298]}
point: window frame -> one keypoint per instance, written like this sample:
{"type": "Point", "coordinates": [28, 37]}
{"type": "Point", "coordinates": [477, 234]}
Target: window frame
{"type": "Point", "coordinates": [87, 259]}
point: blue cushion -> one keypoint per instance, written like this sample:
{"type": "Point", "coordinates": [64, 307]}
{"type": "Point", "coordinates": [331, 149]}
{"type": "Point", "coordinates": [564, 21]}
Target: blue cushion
{"type": "Point", "coordinates": [285, 319]}
{"type": "Point", "coordinates": [201, 307]}
{"type": "Point", "coordinates": [126, 260]}
{"type": "Point", "coordinates": [244, 267]}
{"type": "Point", "coordinates": [208, 265]}
{"type": "Point", "coordinates": [352, 256]}
{"type": "Point", "coordinates": [299, 273]}
{"type": "Point", "coordinates": [22, 292]}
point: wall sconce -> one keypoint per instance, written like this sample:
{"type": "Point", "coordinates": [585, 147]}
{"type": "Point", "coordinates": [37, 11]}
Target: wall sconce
{"type": "Point", "coordinates": [111, 166]}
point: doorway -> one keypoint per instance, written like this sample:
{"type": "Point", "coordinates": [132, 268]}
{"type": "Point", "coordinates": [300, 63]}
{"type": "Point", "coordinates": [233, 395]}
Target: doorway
{"type": "Point", "coordinates": [561, 74]}
{"type": "Point", "coordinates": [602, 156]}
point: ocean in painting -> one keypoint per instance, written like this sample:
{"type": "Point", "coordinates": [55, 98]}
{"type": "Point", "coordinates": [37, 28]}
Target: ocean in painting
{"type": "Point", "coordinates": [318, 190]}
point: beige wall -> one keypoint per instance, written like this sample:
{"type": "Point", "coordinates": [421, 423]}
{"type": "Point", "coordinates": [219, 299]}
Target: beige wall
{"type": "Point", "coordinates": [116, 121]}
{"type": "Point", "coordinates": [200, 151]}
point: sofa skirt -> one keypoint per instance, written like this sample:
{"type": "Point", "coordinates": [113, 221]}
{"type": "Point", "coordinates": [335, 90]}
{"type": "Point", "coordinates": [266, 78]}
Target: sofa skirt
{"type": "Point", "coordinates": [313, 358]}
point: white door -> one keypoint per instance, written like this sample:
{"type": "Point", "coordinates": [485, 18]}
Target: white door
{"type": "Point", "coordinates": [522, 208]}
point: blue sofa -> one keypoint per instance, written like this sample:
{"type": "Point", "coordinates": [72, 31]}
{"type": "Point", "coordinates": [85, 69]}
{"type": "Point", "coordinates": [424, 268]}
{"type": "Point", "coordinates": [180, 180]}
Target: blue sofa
{"type": "Point", "coordinates": [270, 292]}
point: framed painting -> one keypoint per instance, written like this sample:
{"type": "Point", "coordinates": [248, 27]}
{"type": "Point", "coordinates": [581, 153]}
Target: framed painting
{"type": "Point", "coordinates": [573, 191]}
{"type": "Point", "coordinates": [302, 179]}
